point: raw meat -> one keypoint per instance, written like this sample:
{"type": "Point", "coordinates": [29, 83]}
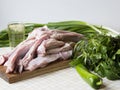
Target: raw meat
{"type": "Point", "coordinates": [49, 44]}
{"type": "Point", "coordinates": [67, 36]}
{"type": "Point", "coordinates": [43, 61]}
{"type": "Point", "coordinates": [41, 47]}
{"type": "Point", "coordinates": [31, 53]}
{"type": "Point", "coordinates": [20, 52]}
{"type": "Point", "coordinates": [4, 58]}
{"type": "Point", "coordinates": [38, 32]}
{"type": "Point", "coordinates": [66, 47]}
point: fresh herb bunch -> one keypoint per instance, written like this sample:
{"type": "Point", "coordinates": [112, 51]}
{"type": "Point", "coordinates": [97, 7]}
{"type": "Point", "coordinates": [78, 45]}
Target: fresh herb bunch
{"type": "Point", "coordinates": [99, 53]}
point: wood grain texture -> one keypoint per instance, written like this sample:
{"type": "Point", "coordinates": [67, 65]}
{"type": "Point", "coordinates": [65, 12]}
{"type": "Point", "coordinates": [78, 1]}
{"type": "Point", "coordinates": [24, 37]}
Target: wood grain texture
{"type": "Point", "coordinates": [12, 78]}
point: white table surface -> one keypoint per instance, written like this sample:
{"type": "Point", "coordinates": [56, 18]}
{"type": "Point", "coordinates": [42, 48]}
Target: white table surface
{"type": "Point", "coordinates": [66, 79]}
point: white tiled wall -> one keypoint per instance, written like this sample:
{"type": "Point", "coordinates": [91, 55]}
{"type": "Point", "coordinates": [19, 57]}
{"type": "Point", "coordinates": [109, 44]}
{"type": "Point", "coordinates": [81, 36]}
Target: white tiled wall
{"type": "Point", "coordinates": [102, 12]}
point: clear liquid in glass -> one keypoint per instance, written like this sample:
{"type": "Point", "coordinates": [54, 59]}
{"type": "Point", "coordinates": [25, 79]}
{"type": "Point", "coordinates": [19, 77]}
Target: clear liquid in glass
{"type": "Point", "coordinates": [16, 33]}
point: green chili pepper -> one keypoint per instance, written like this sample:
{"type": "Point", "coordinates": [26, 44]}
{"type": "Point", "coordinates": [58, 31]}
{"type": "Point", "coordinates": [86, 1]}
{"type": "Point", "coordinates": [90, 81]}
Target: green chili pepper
{"type": "Point", "coordinates": [92, 79]}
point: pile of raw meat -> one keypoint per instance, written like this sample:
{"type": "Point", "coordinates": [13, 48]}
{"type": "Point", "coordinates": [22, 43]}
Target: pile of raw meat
{"type": "Point", "coordinates": [41, 47]}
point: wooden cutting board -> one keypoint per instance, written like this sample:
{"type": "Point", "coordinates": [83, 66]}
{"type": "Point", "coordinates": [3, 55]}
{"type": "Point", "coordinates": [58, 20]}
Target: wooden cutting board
{"type": "Point", "coordinates": [12, 78]}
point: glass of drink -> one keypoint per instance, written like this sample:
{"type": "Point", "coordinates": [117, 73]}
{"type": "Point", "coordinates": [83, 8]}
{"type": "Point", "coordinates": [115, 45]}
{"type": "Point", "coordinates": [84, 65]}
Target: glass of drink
{"type": "Point", "coordinates": [16, 32]}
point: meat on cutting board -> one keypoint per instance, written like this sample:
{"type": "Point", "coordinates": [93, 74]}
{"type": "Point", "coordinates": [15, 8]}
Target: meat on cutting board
{"type": "Point", "coordinates": [17, 54]}
{"type": "Point", "coordinates": [4, 58]}
{"type": "Point", "coordinates": [41, 47]}
{"type": "Point", "coordinates": [31, 53]}
{"type": "Point", "coordinates": [48, 45]}
{"type": "Point", "coordinates": [43, 61]}
{"type": "Point", "coordinates": [66, 47]}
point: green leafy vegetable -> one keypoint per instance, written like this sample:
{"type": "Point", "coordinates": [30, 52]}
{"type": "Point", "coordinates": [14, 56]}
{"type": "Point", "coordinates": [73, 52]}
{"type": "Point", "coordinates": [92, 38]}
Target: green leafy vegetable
{"type": "Point", "coordinates": [99, 53]}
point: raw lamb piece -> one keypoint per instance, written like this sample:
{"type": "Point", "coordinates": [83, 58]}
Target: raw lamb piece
{"type": "Point", "coordinates": [4, 58]}
{"type": "Point", "coordinates": [20, 52]}
{"type": "Point", "coordinates": [43, 61]}
{"type": "Point", "coordinates": [38, 32]}
{"type": "Point", "coordinates": [66, 36]}
{"type": "Point", "coordinates": [64, 48]}
{"type": "Point", "coordinates": [49, 44]}
{"type": "Point", "coordinates": [56, 34]}
{"type": "Point", "coordinates": [31, 53]}
{"type": "Point", "coordinates": [52, 43]}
